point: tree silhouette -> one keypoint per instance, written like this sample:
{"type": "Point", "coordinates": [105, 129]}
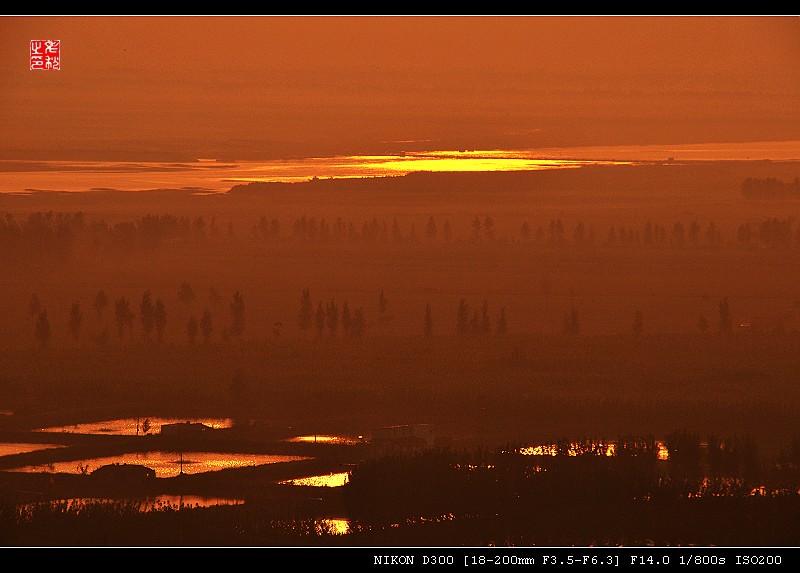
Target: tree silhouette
{"type": "Point", "coordinates": [476, 229]}
{"type": "Point", "coordinates": [147, 315]}
{"type": "Point", "coordinates": [488, 228]}
{"type": "Point", "coordinates": [206, 325]}
{"type": "Point", "coordinates": [463, 317]}
{"type": "Point", "coordinates": [638, 322]}
{"type": "Point", "coordinates": [382, 305]}
{"type": "Point", "coordinates": [475, 323]}
{"type": "Point", "coordinates": [123, 315]}
{"type": "Point", "coordinates": [502, 326]}
{"type": "Point", "coordinates": [486, 323]}
{"type": "Point", "coordinates": [556, 232]}
{"type": "Point", "coordinates": [430, 229]}
{"type": "Point", "coordinates": [160, 318]}
{"type": "Point", "coordinates": [192, 329]}
{"type": "Point", "coordinates": [347, 320]}
{"type": "Point", "coordinates": [75, 320]}
{"type": "Point", "coordinates": [186, 294]}
{"type": "Point", "coordinates": [320, 320]}
{"type": "Point", "coordinates": [694, 233]}
{"type": "Point", "coordinates": [525, 232]}
{"type": "Point", "coordinates": [237, 314]}
{"type": "Point", "coordinates": [448, 232]}
{"type": "Point", "coordinates": [305, 318]}
{"type": "Point", "coordinates": [428, 320]}
{"type": "Point", "coordinates": [332, 312]}
{"type": "Point", "coordinates": [724, 315]}
{"type": "Point", "coordinates": [42, 331]}
{"type": "Point", "coordinates": [100, 303]}
{"type": "Point", "coordinates": [397, 236]}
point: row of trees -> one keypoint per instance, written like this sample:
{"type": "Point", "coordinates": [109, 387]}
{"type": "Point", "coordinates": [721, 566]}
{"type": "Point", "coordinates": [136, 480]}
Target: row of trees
{"type": "Point", "coordinates": [476, 322]}
{"type": "Point", "coordinates": [770, 188]}
{"type": "Point", "coordinates": [328, 316]}
{"type": "Point", "coordinates": [58, 234]}
{"type": "Point", "coordinates": [152, 316]}
{"type": "Point", "coordinates": [331, 317]}
{"type": "Point", "coordinates": [480, 322]}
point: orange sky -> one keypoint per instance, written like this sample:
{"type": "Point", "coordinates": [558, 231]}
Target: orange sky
{"type": "Point", "coordinates": [273, 85]}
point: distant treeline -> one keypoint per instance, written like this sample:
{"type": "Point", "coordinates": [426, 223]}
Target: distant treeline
{"type": "Point", "coordinates": [770, 188]}
{"type": "Point", "coordinates": [57, 235]}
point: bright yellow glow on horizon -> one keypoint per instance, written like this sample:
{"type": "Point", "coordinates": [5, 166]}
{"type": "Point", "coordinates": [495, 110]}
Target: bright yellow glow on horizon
{"type": "Point", "coordinates": [208, 176]}
{"type": "Point", "coordinates": [355, 166]}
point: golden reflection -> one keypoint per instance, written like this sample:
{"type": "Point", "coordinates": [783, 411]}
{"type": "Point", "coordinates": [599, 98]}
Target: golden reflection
{"type": "Point", "coordinates": [444, 161]}
{"type": "Point", "coordinates": [328, 480]}
{"type": "Point", "coordinates": [543, 450]}
{"type": "Point", "coordinates": [573, 449]}
{"type": "Point", "coordinates": [134, 426]}
{"type": "Point", "coordinates": [392, 165]}
{"type": "Point", "coordinates": [324, 439]}
{"type": "Point", "coordinates": [214, 176]}
{"type": "Point", "coordinates": [335, 526]}
{"type": "Point", "coordinates": [608, 449]}
{"type": "Point", "coordinates": [161, 503]}
{"type": "Point", "coordinates": [10, 449]}
{"type": "Point", "coordinates": [165, 464]}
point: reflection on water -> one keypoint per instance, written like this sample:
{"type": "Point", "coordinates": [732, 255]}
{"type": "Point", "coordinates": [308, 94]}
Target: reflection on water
{"type": "Point", "coordinates": [334, 525]}
{"type": "Point", "coordinates": [573, 449]}
{"type": "Point", "coordinates": [159, 503]}
{"type": "Point", "coordinates": [326, 439]}
{"type": "Point", "coordinates": [166, 464]}
{"type": "Point", "coordinates": [736, 486]}
{"type": "Point", "coordinates": [204, 177]}
{"type": "Point", "coordinates": [188, 501]}
{"type": "Point", "coordinates": [134, 426]}
{"type": "Point", "coordinates": [9, 449]}
{"type": "Point", "coordinates": [328, 480]}
{"type": "Point", "coordinates": [599, 447]}
{"type": "Point", "coordinates": [389, 165]}
{"type": "Point", "coordinates": [207, 175]}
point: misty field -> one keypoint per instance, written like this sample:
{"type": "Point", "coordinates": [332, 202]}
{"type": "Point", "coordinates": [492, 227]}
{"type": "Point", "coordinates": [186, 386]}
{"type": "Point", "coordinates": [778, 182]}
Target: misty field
{"type": "Point", "coordinates": [507, 310]}
{"type": "Point", "coordinates": [503, 306]}
{"type": "Point", "coordinates": [519, 389]}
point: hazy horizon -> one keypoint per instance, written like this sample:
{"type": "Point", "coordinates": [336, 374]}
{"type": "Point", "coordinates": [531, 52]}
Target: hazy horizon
{"type": "Point", "coordinates": [261, 87]}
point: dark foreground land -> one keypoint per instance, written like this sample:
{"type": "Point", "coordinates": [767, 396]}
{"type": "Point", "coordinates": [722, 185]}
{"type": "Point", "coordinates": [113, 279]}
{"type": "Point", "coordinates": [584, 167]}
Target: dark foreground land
{"type": "Point", "coordinates": [733, 455]}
